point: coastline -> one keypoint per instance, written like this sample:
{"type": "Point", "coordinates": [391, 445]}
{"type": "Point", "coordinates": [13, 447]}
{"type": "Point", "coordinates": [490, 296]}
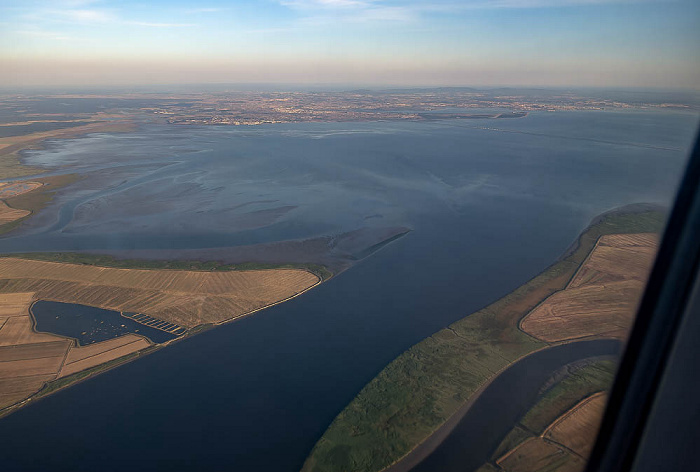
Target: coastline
{"type": "Point", "coordinates": [413, 370]}
{"type": "Point", "coordinates": [57, 384]}
{"type": "Point", "coordinates": [429, 444]}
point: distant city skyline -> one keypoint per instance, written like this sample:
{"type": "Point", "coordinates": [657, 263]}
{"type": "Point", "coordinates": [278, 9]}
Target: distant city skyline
{"type": "Point", "coordinates": [599, 43]}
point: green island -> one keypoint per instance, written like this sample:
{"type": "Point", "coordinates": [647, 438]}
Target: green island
{"type": "Point", "coordinates": [420, 390]}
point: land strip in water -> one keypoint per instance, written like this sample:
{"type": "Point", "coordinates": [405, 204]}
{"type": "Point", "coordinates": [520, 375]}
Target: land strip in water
{"type": "Point", "coordinates": [562, 394]}
{"type": "Point", "coordinates": [185, 298]}
{"type": "Point", "coordinates": [563, 446]}
{"type": "Point", "coordinates": [34, 364]}
{"type": "Point", "coordinates": [29, 360]}
{"type": "Point", "coordinates": [416, 394]}
{"type": "Point", "coordinates": [602, 297]}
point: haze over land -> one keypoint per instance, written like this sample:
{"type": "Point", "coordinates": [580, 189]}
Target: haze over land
{"type": "Point", "coordinates": [451, 197]}
{"type": "Point", "coordinates": [648, 43]}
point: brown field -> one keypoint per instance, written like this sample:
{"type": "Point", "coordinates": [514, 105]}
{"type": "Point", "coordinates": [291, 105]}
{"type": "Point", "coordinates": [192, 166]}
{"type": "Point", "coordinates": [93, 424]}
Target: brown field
{"type": "Point", "coordinates": [33, 350]}
{"type": "Point", "coordinates": [84, 357]}
{"type": "Point", "coordinates": [566, 443]}
{"type": "Point", "coordinates": [186, 298]}
{"type": "Point", "coordinates": [19, 388]}
{"type": "Point", "coordinates": [602, 297]}
{"type": "Point", "coordinates": [618, 257]}
{"type": "Point", "coordinates": [577, 429]}
{"type": "Point", "coordinates": [28, 359]}
{"type": "Point", "coordinates": [536, 454]}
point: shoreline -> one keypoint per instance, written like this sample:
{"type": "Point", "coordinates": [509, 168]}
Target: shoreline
{"type": "Point", "coordinates": [322, 273]}
{"type": "Point", "coordinates": [55, 385]}
{"type": "Point", "coordinates": [423, 450]}
{"type": "Point", "coordinates": [416, 455]}
{"type": "Point", "coordinates": [507, 313]}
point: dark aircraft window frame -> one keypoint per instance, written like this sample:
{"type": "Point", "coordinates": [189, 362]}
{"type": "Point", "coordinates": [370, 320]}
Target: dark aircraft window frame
{"type": "Point", "coordinates": [668, 307]}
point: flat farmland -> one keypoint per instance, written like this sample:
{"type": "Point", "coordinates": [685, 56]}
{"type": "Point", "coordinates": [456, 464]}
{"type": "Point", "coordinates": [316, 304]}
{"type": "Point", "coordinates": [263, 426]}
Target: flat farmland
{"type": "Point", "coordinates": [85, 357]}
{"type": "Point", "coordinates": [618, 257]}
{"type": "Point", "coordinates": [537, 454]}
{"type": "Point", "coordinates": [16, 389]}
{"type": "Point", "coordinates": [33, 351]}
{"type": "Point", "coordinates": [18, 330]}
{"type": "Point", "coordinates": [602, 297]}
{"type": "Point", "coordinates": [29, 360]}
{"type": "Point", "coordinates": [577, 429]}
{"type": "Point", "coordinates": [566, 443]}
{"type": "Point", "coordinates": [36, 366]}
{"type": "Point", "coordinates": [186, 298]}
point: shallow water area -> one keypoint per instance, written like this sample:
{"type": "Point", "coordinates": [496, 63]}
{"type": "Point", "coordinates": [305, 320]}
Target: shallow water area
{"type": "Point", "coordinates": [89, 324]}
{"type": "Point", "coordinates": [490, 203]}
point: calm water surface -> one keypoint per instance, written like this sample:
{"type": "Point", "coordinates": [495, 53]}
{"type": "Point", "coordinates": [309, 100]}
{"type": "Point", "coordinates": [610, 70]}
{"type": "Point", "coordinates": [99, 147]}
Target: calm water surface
{"type": "Point", "coordinates": [88, 324]}
{"type": "Point", "coordinates": [511, 395]}
{"type": "Point", "coordinates": [489, 209]}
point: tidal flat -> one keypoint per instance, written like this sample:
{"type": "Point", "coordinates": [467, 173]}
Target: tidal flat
{"type": "Point", "coordinates": [488, 209]}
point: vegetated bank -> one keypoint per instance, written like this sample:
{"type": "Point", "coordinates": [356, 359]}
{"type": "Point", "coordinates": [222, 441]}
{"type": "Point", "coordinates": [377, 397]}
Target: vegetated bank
{"type": "Point", "coordinates": [422, 388]}
{"type": "Point", "coordinates": [567, 389]}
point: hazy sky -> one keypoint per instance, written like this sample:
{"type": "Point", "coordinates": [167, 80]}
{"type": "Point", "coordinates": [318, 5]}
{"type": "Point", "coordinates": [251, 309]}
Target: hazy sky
{"type": "Point", "coordinates": [643, 43]}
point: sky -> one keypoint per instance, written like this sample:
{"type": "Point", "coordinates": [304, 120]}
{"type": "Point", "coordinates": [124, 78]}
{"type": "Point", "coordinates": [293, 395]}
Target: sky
{"type": "Point", "coordinates": [599, 43]}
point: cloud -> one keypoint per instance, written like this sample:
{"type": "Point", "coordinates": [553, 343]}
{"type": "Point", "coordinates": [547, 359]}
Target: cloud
{"type": "Point", "coordinates": [205, 10]}
{"type": "Point", "coordinates": [46, 35]}
{"type": "Point", "coordinates": [523, 4]}
{"type": "Point", "coordinates": [149, 24]}
{"type": "Point", "coordinates": [445, 5]}
{"type": "Point", "coordinates": [326, 4]}
{"type": "Point", "coordinates": [74, 3]}
{"type": "Point", "coordinates": [351, 11]}
{"type": "Point", "coordinates": [92, 16]}
{"type": "Point", "coordinates": [85, 15]}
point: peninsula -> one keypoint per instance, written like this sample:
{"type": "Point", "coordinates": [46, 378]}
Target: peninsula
{"type": "Point", "coordinates": [179, 302]}
{"type": "Point", "coordinates": [400, 417]}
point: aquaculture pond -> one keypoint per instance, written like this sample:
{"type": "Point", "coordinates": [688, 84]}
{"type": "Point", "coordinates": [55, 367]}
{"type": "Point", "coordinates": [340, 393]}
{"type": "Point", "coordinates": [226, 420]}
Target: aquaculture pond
{"type": "Point", "coordinates": [88, 324]}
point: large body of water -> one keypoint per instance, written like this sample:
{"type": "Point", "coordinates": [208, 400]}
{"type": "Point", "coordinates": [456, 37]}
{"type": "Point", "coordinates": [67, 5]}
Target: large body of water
{"type": "Point", "coordinates": [488, 209]}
